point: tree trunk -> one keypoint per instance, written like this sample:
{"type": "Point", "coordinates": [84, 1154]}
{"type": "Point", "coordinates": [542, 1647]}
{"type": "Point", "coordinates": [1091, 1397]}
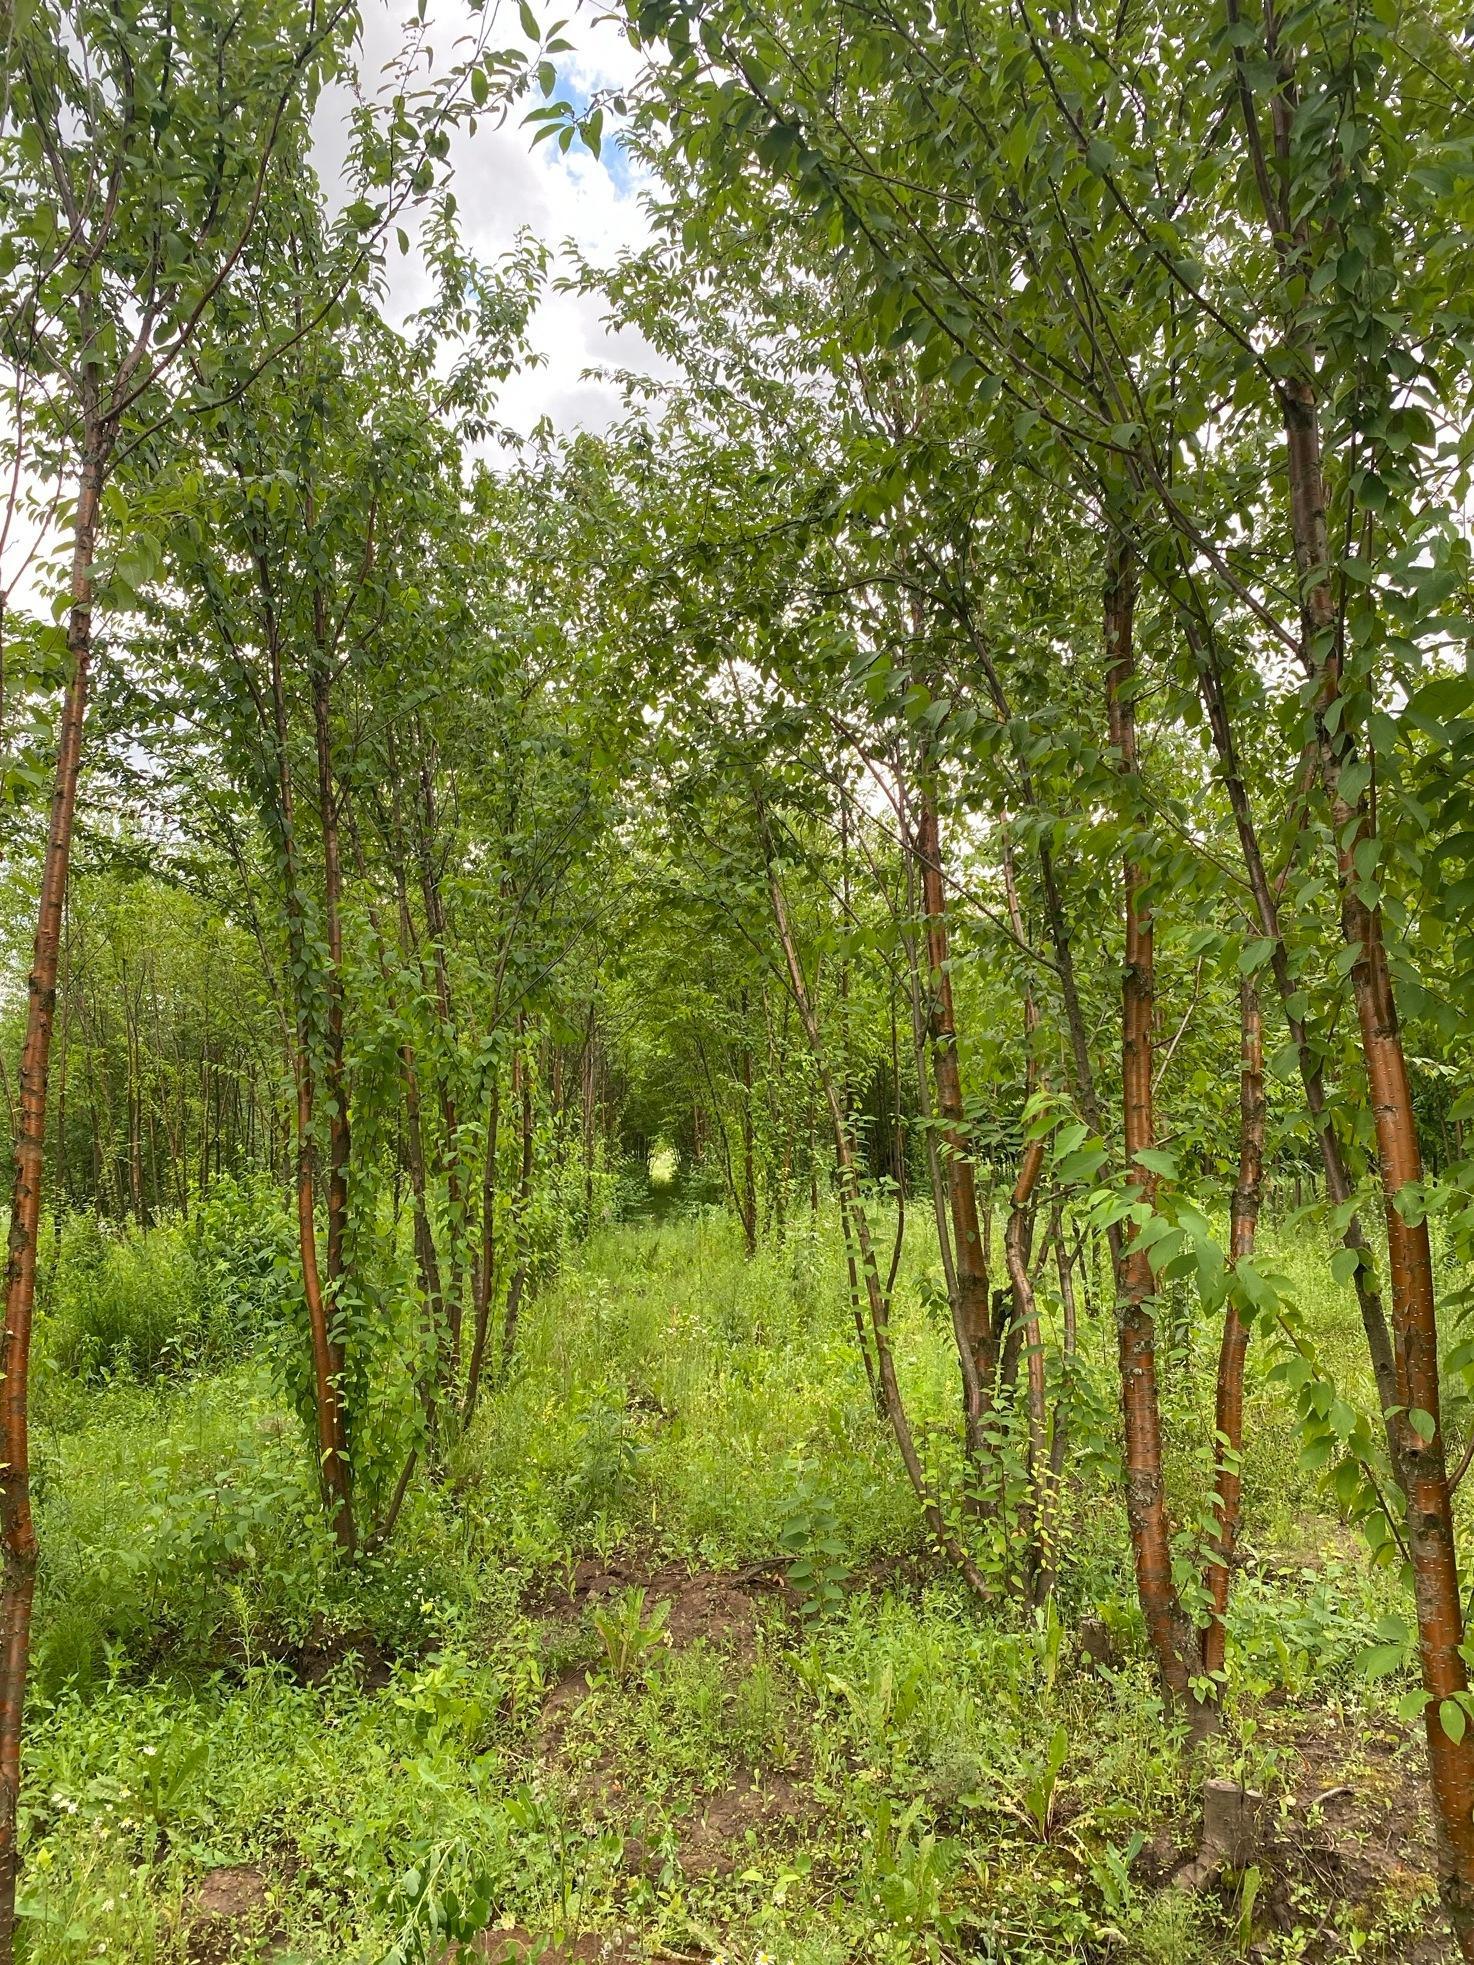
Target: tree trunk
{"type": "Point", "coordinates": [17, 1530]}
{"type": "Point", "coordinates": [1038, 1529]}
{"type": "Point", "coordinates": [1059, 1439]}
{"type": "Point", "coordinates": [876, 1292]}
{"type": "Point", "coordinates": [972, 1389]}
{"type": "Point", "coordinates": [1340, 1189]}
{"type": "Point", "coordinates": [1229, 1413]}
{"type": "Point", "coordinates": [857, 1303]}
{"type": "Point", "coordinates": [749, 1168]}
{"type": "Point", "coordinates": [1172, 1637]}
{"type": "Point", "coordinates": [439, 932]}
{"type": "Point", "coordinates": [521, 1088]}
{"type": "Point", "coordinates": [974, 1315]}
{"type": "Point", "coordinates": [327, 1360]}
{"type": "Point", "coordinates": [485, 1278]}
{"type": "Point", "coordinates": [1431, 1542]}
{"type": "Point", "coordinates": [335, 1085]}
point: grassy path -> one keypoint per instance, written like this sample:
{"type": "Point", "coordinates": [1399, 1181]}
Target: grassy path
{"type": "Point", "coordinates": [580, 1697]}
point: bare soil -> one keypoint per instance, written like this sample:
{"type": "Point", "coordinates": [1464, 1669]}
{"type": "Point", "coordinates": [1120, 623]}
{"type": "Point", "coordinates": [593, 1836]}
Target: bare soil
{"type": "Point", "coordinates": [228, 1916]}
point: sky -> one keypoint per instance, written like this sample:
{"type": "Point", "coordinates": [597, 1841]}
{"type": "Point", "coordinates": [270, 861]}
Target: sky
{"type": "Point", "coordinates": [503, 185]}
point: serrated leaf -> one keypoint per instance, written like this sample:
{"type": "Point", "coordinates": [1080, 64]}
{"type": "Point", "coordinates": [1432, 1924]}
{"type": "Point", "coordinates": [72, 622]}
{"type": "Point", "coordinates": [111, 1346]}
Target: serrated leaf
{"type": "Point", "coordinates": [1380, 1659]}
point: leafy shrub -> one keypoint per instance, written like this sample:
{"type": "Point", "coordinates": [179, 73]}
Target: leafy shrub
{"type": "Point", "coordinates": [811, 1539]}
{"type": "Point", "coordinates": [627, 1635]}
{"type": "Point", "coordinates": [177, 1296]}
{"type": "Point", "coordinates": [607, 1463]}
{"type": "Point", "coordinates": [122, 1300]}
{"type": "Point", "coordinates": [764, 1717]}
{"type": "Point", "coordinates": [245, 1249]}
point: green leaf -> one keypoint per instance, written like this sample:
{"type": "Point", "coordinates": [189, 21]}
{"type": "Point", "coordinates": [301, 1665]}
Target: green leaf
{"type": "Point", "coordinates": [1380, 1659]}
{"type": "Point", "coordinates": [1344, 1265]}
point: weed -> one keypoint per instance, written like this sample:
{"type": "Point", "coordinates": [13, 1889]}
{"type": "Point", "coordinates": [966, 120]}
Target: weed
{"type": "Point", "coordinates": [627, 1635]}
{"type": "Point", "coordinates": [809, 1536]}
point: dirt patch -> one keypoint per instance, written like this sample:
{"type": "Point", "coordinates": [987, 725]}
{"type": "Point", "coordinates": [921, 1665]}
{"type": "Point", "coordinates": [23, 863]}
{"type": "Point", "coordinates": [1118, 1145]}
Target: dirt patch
{"type": "Point", "coordinates": [720, 1606]}
{"type": "Point", "coordinates": [314, 1660]}
{"type": "Point", "coordinates": [357, 1651]}
{"type": "Point", "coordinates": [568, 1694]}
{"type": "Point", "coordinates": [228, 1917]}
{"type": "Point", "coordinates": [904, 1574]}
{"type": "Point", "coordinates": [1357, 1831]}
{"type": "Point", "coordinates": [716, 1836]}
{"type": "Point", "coordinates": [1348, 1829]}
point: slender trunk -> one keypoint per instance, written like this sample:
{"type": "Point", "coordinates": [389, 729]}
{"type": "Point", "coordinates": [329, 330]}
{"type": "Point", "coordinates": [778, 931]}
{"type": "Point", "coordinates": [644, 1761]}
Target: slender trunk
{"type": "Point", "coordinates": [426, 1259]}
{"type": "Point", "coordinates": [749, 1169]}
{"type": "Point", "coordinates": [857, 1303]}
{"type": "Point", "coordinates": [327, 1359]}
{"type": "Point", "coordinates": [1019, 1235]}
{"type": "Point", "coordinates": [1173, 1639]}
{"type": "Point", "coordinates": [939, 1204]}
{"type": "Point", "coordinates": [587, 1118]}
{"type": "Point", "coordinates": [974, 1316]}
{"type": "Point", "coordinates": [1431, 1538]}
{"type": "Point", "coordinates": [1340, 1189]}
{"type": "Point", "coordinates": [1059, 1437]}
{"type": "Point", "coordinates": [63, 1182]}
{"type": "Point", "coordinates": [971, 1384]}
{"type": "Point", "coordinates": [875, 1290]}
{"type": "Point", "coordinates": [446, 1158]}
{"type": "Point", "coordinates": [1229, 1414]}
{"type": "Point", "coordinates": [521, 1085]}
{"type": "Point", "coordinates": [17, 1530]}
{"type": "Point", "coordinates": [1420, 1460]}
{"type": "Point", "coordinates": [898, 1117]}
{"type": "Point", "coordinates": [485, 1279]}
{"type": "Point", "coordinates": [1038, 1530]}
{"type": "Point", "coordinates": [135, 1106]}
{"type": "Point", "coordinates": [335, 1079]}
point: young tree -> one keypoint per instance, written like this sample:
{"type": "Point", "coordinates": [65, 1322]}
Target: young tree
{"type": "Point", "coordinates": [137, 146]}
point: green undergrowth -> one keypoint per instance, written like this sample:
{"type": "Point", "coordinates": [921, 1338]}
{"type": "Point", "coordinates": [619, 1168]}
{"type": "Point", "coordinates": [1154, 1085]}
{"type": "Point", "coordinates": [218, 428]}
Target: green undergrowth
{"type": "Point", "coordinates": [864, 1765]}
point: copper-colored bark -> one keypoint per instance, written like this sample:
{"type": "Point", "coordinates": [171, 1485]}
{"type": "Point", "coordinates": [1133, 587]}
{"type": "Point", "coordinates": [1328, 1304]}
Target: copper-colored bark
{"type": "Point", "coordinates": [327, 1360]}
{"type": "Point", "coordinates": [17, 1530]}
{"type": "Point", "coordinates": [1172, 1638]}
{"type": "Point", "coordinates": [1418, 1460]}
{"type": "Point", "coordinates": [1229, 1404]}
{"type": "Point", "coordinates": [1338, 1182]}
{"type": "Point", "coordinates": [1431, 1540]}
{"type": "Point", "coordinates": [974, 1316]}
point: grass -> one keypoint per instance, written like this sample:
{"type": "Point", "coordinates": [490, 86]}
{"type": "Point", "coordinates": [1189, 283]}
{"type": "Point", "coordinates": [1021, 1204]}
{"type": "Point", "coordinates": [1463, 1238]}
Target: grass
{"type": "Point", "coordinates": [490, 1720]}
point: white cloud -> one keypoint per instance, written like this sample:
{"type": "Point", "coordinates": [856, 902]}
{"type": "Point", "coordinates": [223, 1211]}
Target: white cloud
{"type": "Point", "coordinates": [503, 185]}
